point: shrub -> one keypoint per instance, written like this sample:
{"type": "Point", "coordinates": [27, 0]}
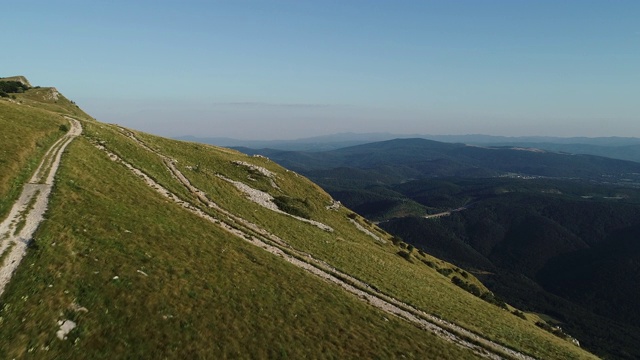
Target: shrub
{"type": "Point", "coordinates": [475, 290]}
{"type": "Point", "coordinates": [555, 330]}
{"type": "Point", "coordinates": [430, 264]}
{"type": "Point", "coordinates": [492, 299]}
{"type": "Point", "coordinates": [519, 314]}
{"type": "Point", "coordinates": [293, 206]}
{"type": "Point", "coordinates": [471, 288]}
{"type": "Point", "coordinates": [543, 325]}
{"type": "Point", "coordinates": [396, 240]}
{"type": "Point", "coordinates": [405, 255]}
{"type": "Point", "coordinates": [8, 87]}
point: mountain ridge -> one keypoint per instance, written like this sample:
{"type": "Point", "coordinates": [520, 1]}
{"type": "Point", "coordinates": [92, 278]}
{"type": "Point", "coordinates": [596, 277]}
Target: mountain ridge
{"type": "Point", "coordinates": [413, 158]}
{"type": "Point", "coordinates": [624, 148]}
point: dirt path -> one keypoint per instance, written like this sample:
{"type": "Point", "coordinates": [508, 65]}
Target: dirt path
{"type": "Point", "coordinates": [262, 238]}
{"type": "Point", "coordinates": [17, 229]}
{"type": "Point", "coordinates": [433, 216]}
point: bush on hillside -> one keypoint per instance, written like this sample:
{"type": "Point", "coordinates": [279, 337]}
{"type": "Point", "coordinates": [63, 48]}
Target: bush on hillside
{"type": "Point", "coordinates": [293, 206]}
{"type": "Point", "coordinates": [405, 255]}
{"type": "Point", "coordinates": [519, 314]}
{"type": "Point", "coordinates": [430, 264]}
{"type": "Point", "coordinates": [471, 288]}
{"type": "Point", "coordinates": [8, 87]}
{"type": "Point", "coordinates": [555, 330]}
{"type": "Point", "coordinates": [476, 291]}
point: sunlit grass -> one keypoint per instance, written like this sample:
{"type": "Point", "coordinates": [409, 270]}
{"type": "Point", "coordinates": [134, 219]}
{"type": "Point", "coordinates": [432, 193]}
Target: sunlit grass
{"type": "Point", "coordinates": [25, 136]}
{"type": "Point", "coordinates": [184, 287]}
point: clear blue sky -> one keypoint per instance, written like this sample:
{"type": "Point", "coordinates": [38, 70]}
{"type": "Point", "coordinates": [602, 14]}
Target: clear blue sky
{"type": "Point", "coordinates": [289, 69]}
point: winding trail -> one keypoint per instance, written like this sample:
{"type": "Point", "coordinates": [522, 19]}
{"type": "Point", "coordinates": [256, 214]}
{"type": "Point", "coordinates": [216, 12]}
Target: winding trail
{"type": "Point", "coordinates": [262, 238]}
{"type": "Point", "coordinates": [17, 229]}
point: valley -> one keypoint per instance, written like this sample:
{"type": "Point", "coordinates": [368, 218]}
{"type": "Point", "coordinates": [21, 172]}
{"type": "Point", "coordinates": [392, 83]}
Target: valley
{"type": "Point", "coordinates": [541, 230]}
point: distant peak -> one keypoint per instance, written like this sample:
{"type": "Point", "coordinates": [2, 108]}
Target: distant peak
{"type": "Point", "coordinates": [18, 78]}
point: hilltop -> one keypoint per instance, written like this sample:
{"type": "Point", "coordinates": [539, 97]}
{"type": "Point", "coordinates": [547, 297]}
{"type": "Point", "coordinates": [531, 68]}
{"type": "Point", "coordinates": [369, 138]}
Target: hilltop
{"type": "Point", "coordinates": [21, 79]}
{"type": "Point", "coordinates": [157, 248]}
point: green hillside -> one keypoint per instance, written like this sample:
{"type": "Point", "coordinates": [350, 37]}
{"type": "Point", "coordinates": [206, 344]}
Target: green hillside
{"type": "Point", "coordinates": [156, 248]}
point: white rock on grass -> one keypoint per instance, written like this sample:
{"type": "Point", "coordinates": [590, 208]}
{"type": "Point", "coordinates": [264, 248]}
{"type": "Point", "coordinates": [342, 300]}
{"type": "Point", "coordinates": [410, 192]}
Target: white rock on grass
{"type": "Point", "coordinates": [267, 173]}
{"type": "Point", "coordinates": [260, 169]}
{"type": "Point", "coordinates": [266, 200]}
{"type": "Point", "coordinates": [366, 231]}
{"type": "Point", "coordinates": [65, 328]}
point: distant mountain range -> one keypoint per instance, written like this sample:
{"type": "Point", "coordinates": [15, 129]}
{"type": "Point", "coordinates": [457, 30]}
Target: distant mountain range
{"type": "Point", "coordinates": [625, 148]}
{"type": "Point", "coordinates": [316, 143]}
{"type": "Point", "coordinates": [399, 160]}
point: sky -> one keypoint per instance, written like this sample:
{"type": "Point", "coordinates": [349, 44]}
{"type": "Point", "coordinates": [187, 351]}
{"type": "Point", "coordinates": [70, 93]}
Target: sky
{"type": "Point", "coordinates": [295, 68]}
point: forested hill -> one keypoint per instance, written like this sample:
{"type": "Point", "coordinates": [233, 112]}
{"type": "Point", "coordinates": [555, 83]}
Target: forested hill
{"type": "Point", "coordinates": [402, 159]}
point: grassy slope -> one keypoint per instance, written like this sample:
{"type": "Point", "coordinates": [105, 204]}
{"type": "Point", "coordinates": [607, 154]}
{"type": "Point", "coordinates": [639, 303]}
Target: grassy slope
{"type": "Point", "coordinates": [207, 292]}
{"type": "Point", "coordinates": [29, 125]}
{"type": "Point", "coordinates": [353, 252]}
{"type": "Point", "coordinates": [26, 133]}
{"type": "Point", "coordinates": [206, 295]}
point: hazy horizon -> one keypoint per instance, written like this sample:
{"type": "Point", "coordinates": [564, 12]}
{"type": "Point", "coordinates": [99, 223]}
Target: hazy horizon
{"type": "Point", "coordinates": [389, 135]}
{"type": "Point", "coordinates": [267, 70]}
